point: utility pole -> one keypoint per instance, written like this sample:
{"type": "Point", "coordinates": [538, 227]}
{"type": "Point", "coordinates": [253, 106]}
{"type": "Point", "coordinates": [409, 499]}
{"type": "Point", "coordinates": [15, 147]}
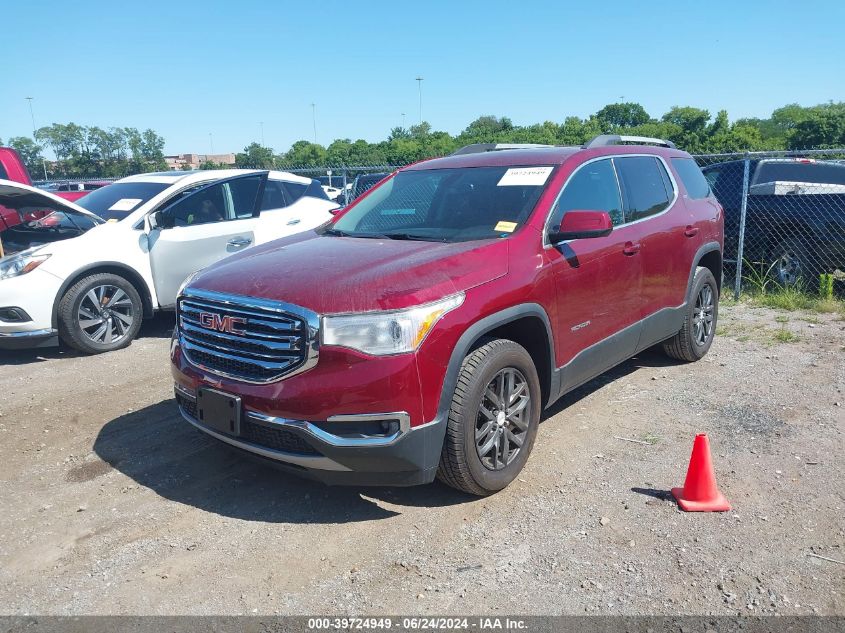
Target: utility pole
{"type": "Point", "coordinates": [419, 87]}
{"type": "Point", "coordinates": [261, 126]}
{"type": "Point", "coordinates": [314, 119]}
{"type": "Point", "coordinates": [32, 116]}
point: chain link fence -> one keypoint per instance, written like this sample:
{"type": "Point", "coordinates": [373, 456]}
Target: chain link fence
{"type": "Point", "coordinates": [784, 217]}
{"type": "Point", "coordinates": [784, 212]}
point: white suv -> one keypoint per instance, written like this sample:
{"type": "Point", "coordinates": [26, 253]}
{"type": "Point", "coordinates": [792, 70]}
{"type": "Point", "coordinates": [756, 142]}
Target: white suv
{"type": "Point", "coordinates": [146, 235]}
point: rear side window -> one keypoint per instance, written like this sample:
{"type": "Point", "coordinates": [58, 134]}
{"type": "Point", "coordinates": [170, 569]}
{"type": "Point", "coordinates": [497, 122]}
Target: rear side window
{"type": "Point", "coordinates": [293, 190]}
{"type": "Point", "coordinates": [273, 197]}
{"type": "Point", "coordinates": [645, 186]}
{"type": "Point", "coordinates": [315, 190]}
{"type": "Point", "coordinates": [694, 181]}
{"type": "Point", "coordinates": [592, 188]}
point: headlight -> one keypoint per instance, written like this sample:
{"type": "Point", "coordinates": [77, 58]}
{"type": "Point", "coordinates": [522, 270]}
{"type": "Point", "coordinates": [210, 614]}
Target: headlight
{"type": "Point", "coordinates": [384, 333]}
{"type": "Point", "coordinates": [20, 264]}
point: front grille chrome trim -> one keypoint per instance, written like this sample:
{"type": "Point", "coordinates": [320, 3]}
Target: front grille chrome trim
{"type": "Point", "coordinates": [292, 349]}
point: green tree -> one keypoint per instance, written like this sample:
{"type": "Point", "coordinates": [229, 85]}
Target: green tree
{"type": "Point", "coordinates": [255, 156]}
{"type": "Point", "coordinates": [30, 153]}
{"type": "Point", "coordinates": [622, 115]}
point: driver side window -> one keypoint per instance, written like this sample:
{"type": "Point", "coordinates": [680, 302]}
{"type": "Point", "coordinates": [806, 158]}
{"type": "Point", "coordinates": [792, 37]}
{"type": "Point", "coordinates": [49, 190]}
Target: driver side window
{"type": "Point", "coordinates": [592, 188]}
{"type": "Point", "coordinates": [230, 200]}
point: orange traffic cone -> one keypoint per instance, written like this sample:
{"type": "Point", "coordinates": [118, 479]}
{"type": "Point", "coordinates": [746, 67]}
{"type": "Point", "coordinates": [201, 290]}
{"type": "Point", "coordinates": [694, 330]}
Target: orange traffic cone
{"type": "Point", "coordinates": [700, 493]}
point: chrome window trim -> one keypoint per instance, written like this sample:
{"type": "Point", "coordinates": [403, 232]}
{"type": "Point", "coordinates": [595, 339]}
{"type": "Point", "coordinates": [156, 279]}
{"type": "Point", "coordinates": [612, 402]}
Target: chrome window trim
{"type": "Point", "coordinates": [547, 245]}
{"type": "Point", "coordinates": [311, 319]}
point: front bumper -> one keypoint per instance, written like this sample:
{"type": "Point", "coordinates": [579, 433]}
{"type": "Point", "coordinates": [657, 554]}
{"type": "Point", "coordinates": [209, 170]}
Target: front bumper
{"type": "Point", "coordinates": [26, 340]}
{"type": "Point", "coordinates": [402, 456]}
{"type": "Point", "coordinates": [34, 294]}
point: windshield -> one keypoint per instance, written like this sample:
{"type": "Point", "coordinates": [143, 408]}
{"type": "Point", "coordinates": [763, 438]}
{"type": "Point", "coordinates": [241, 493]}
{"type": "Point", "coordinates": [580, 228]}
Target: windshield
{"type": "Point", "coordinates": [447, 205]}
{"type": "Point", "coordinates": [115, 202]}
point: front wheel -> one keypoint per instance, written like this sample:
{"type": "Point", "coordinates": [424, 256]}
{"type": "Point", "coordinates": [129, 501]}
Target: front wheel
{"type": "Point", "coordinates": [493, 419]}
{"type": "Point", "coordinates": [100, 313]}
{"type": "Point", "coordinates": [694, 339]}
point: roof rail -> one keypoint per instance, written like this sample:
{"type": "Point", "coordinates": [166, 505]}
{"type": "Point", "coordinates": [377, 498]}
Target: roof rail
{"type": "Point", "coordinates": [477, 148]}
{"type": "Point", "coordinates": [603, 140]}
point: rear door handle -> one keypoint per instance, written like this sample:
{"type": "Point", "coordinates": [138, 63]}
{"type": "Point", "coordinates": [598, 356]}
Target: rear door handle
{"type": "Point", "coordinates": [631, 248]}
{"type": "Point", "coordinates": [239, 241]}
{"type": "Point", "coordinates": [691, 231]}
{"type": "Point", "coordinates": [294, 221]}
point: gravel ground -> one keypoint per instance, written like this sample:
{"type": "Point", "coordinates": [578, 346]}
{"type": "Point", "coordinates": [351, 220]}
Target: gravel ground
{"type": "Point", "coordinates": [112, 505]}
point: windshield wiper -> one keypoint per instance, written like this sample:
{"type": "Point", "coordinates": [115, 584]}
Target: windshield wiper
{"type": "Point", "coordinates": [383, 236]}
{"type": "Point", "coordinates": [337, 233]}
{"type": "Point", "coordinates": [411, 236]}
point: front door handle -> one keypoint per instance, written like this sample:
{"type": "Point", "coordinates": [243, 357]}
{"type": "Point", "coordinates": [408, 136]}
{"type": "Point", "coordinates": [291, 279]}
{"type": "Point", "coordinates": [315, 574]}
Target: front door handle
{"type": "Point", "coordinates": [239, 241]}
{"type": "Point", "coordinates": [631, 248]}
{"type": "Point", "coordinates": [691, 231]}
{"type": "Point", "coordinates": [294, 221]}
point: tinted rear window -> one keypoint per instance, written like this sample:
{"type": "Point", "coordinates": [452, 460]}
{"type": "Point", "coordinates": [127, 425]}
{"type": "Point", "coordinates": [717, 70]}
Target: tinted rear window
{"type": "Point", "coordinates": [821, 172]}
{"type": "Point", "coordinates": [694, 181]}
{"type": "Point", "coordinates": [644, 186]}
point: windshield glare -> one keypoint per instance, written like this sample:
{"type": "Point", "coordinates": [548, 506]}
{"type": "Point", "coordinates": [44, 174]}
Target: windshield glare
{"type": "Point", "coordinates": [448, 205]}
{"type": "Point", "coordinates": [116, 201]}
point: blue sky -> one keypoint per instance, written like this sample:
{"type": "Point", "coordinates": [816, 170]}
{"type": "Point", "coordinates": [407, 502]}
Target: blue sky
{"type": "Point", "coordinates": [188, 68]}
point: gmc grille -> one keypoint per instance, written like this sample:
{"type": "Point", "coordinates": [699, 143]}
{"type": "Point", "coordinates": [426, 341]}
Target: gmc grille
{"type": "Point", "coordinates": [248, 339]}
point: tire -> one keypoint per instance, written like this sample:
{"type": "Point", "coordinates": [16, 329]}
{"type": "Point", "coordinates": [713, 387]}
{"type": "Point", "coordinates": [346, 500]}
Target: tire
{"type": "Point", "coordinates": [100, 313]}
{"type": "Point", "coordinates": [694, 339]}
{"type": "Point", "coordinates": [462, 463]}
{"type": "Point", "coordinates": [791, 264]}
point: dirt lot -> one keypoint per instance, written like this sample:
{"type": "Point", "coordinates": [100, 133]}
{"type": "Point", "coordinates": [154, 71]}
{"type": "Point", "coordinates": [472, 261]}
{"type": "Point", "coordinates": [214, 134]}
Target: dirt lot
{"type": "Point", "coordinates": [111, 504]}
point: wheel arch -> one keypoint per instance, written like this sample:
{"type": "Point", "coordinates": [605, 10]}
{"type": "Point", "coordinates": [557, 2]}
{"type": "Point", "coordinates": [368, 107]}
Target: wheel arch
{"type": "Point", "coordinates": [114, 268]}
{"type": "Point", "coordinates": [709, 256]}
{"type": "Point", "coordinates": [528, 325]}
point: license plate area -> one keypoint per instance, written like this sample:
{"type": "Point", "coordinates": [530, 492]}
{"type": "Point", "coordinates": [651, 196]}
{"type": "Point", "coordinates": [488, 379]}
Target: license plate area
{"type": "Point", "coordinates": [219, 411]}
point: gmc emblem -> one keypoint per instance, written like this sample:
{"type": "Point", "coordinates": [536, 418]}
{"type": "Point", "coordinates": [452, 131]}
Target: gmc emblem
{"type": "Point", "coordinates": [221, 323]}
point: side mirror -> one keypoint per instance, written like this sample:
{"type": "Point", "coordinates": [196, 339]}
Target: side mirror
{"type": "Point", "coordinates": [580, 225]}
{"type": "Point", "coordinates": [161, 220]}
{"type": "Point", "coordinates": [336, 211]}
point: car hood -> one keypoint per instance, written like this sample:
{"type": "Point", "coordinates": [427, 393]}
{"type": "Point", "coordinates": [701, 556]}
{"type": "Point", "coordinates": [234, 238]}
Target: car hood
{"type": "Point", "coordinates": [15, 194]}
{"type": "Point", "coordinates": [329, 274]}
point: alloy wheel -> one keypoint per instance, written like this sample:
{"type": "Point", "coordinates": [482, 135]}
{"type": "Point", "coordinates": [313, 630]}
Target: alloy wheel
{"type": "Point", "coordinates": [105, 314]}
{"type": "Point", "coordinates": [504, 413]}
{"type": "Point", "coordinates": [789, 268]}
{"type": "Point", "coordinates": [702, 319]}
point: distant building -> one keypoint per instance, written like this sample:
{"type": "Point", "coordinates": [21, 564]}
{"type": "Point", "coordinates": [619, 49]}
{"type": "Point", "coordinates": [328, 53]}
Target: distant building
{"type": "Point", "coordinates": [193, 161]}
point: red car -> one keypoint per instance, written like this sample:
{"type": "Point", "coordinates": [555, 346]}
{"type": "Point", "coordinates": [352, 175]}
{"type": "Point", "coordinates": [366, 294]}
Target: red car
{"type": "Point", "coordinates": [12, 168]}
{"type": "Point", "coordinates": [425, 329]}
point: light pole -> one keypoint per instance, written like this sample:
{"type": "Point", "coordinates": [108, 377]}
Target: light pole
{"type": "Point", "coordinates": [314, 120]}
{"type": "Point", "coordinates": [261, 126]}
{"type": "Point", "coordinates": [419, 87]}
{"type": "Point", "coordinates": [403, 120]}
{"type": "Point", "coordinates": [211, 143]}
{"type": "Point", "coordinates": [32, 116]}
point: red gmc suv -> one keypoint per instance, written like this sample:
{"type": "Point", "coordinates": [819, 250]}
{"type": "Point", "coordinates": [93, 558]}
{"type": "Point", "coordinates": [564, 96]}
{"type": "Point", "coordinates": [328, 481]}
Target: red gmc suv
{"type": "Point", "coordinates": [423, 331]}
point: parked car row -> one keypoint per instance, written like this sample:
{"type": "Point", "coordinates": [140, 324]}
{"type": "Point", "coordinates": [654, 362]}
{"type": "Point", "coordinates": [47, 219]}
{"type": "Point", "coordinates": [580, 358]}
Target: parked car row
{"type": "Point", "coordinates": [90, 271]}
{"type": "Point", "coordinates": [417, 333]}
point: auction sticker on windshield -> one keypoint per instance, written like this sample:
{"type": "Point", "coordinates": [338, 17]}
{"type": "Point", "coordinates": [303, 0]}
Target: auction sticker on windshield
{"type": "Point", "coordinates": [125, 204]}
{"type": "Point", "coordinates": [525, 176]}
{"type": "Point", "coordinates": [505, 227]}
